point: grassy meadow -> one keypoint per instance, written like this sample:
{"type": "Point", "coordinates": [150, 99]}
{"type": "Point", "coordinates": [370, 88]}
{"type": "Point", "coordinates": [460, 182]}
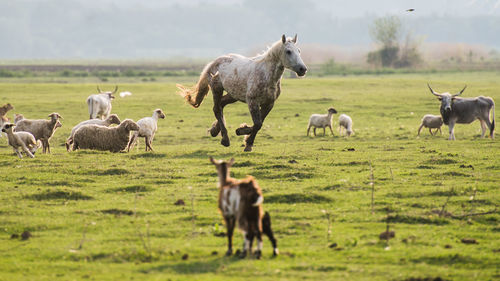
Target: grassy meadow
{"type": "Point", "coordinates": [103, 216]}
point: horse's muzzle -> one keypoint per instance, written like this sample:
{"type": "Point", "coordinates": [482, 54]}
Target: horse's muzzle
{"type": "Point", "coordinates": [301, 70]}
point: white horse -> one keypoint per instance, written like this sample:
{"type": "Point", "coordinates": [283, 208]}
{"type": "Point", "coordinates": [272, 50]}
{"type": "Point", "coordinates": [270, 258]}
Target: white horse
{"type": "Point", "coordinates": [255, 81]}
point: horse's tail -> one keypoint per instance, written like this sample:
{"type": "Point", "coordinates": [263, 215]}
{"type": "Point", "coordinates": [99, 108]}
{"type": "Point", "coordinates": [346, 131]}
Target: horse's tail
{"type": "Point", "coordinates": [195, 95]}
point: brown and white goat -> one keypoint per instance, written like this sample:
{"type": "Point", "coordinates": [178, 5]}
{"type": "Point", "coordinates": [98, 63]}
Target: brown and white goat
{"type": "Point", "coordinates": [241, 201]}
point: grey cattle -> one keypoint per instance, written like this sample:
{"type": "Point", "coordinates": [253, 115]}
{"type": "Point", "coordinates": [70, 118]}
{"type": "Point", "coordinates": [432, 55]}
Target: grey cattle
{"type": "Point", "coordinates": [100, 104]}
{"type": "Point", "coordinates": [465, 110]}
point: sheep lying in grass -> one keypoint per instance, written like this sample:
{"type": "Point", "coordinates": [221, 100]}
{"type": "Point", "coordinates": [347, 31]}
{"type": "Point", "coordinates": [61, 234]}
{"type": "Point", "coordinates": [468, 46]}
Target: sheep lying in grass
{"type": "Point", "coordinates": [432, 122]}
{"type": "Point", "coordinates": [41, 129]}
{"type": "Point", "coordinates": [148, 127]}
{"type": "Point", "coordinates": [345, 122]}
{"type": "Point", "coordinates": [112, 119]}
{"type": "Point", "coordinates": [114, 139]}
{"type": "Point", "coordinates": [23, 140]}
{"type": "Point", "coordinates": [321, 121]}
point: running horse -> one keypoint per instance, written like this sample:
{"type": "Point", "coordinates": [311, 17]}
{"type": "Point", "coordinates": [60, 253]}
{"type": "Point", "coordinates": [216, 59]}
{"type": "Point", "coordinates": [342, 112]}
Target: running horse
{"type": "Point", "coordinates": [255, 81]}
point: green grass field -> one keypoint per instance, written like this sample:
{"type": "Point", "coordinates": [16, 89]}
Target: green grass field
{"type": "Point", "coordinates": [103, 216]}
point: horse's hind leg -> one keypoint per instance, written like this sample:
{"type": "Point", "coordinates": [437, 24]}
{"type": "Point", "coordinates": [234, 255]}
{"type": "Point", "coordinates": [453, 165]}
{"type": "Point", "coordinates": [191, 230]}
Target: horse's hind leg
{"type": "Point", "coordinates": [218, 112]}
{"type": "Point", "coordinates": [227, 99]}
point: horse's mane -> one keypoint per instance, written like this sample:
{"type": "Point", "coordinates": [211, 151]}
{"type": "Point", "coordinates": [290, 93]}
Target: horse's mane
{"type": "Point", "coordinates": [271, 52]}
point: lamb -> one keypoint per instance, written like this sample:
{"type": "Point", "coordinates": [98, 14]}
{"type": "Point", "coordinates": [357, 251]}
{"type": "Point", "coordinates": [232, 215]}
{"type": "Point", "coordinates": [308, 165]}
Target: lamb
{"type": "Point", "coordinates": [24, 140]}
{"type": "Point", "coordinates": [148, 127]}
{"type": "Point", "coordinates": [112, 119]}
{"type": "Point", "coordinates": [114, 139]}
{"type": "Point", "coordinates": [432, 122]}
{"type": "Point", "coordinates": [41, 129]}
{"type": "Point", "coordinates": [345, 122]}
{"type": "Point", "coordinates": [241, 201]}
{"type": "Point", "coordinates": [321, 121]}
{"type": "Point", "coordinates": [100, 104]}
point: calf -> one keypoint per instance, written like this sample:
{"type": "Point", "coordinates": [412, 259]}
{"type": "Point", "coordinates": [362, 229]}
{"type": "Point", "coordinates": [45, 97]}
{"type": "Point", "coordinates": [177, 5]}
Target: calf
{"type": "Point", "coordinates": [241, 201]}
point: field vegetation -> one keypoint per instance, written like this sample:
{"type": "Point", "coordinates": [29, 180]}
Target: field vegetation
{"type": "Point", "coordinates": [89, 215]}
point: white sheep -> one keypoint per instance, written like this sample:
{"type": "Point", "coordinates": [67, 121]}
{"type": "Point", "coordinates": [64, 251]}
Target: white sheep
{"type": "Point", "coordinates": [148, 127]}
{"type": "Point", "coordinates": [100, 104]}
{"type": "Point", "coordinates": [432, 122]}
{"type": "Point", "coordinates": [345, 122]}
{"type": "Point", "coordinates": [24, 140]}
{"type": "Point", "coordinates": [114, 139]}
{"type": "Point", "coordinates": [112, 119]}
{"type": "Point", "coordinates": [321, 121]}
{"type": "Point", "coordinates": [41, 129]}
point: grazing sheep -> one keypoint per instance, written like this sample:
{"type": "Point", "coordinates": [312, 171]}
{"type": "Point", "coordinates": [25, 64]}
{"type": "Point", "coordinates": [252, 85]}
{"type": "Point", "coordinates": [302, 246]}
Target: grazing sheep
{"type": "Point", "coordinates": [241, 201]}
{"type": "Point", "coordinates": [432, 122]}
{"type": "Point", "coordinates": [114, 139]}
{"type": "Point", "coordinates": [148, 127]}
{"type": "Point", "coordinates": [321, 121]}
{"type": "Point", "coordinates": [112, 119]}
{"type": "Point", "coordinates": [41, 129]}
{"type": "Point", "coordinates": [345, 122]}
{"type": "Point", "coordinates": [24, 140]}
{"type": "Point", "coordinates": [100, 104]}
{"type": "Point", "coordinates": [5, 108]}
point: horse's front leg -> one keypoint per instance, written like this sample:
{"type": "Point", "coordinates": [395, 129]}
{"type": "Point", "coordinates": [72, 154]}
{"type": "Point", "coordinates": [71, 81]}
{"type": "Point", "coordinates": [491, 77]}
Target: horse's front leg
{"type": "Point", "coordinates": [218, 112]}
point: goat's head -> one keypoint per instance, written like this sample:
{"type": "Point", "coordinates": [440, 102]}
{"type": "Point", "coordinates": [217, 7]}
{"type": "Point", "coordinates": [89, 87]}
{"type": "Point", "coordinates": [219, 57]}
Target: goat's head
{"type": "Point", "coordinates": [222, 166]}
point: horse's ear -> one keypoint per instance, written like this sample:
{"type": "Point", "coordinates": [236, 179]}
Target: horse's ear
{"type": "Point", "coordinates": [283, 38]}
{"type": "Point", "coordinates": [295, 39]}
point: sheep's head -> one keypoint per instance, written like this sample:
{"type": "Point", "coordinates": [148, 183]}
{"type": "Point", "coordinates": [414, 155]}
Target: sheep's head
{"type": "Point", "coordinates": [129, 125]}
{"type": "Point", "coordinates": [113, 119]}
{"type": "Point", "coordinates": [7, 127]}
{"type": "Point", "coordinates": [332, 110]}
{"type": "Point", "coordinates": [160, 113]}
{"type": "Point", "coordinates": [55, 116]}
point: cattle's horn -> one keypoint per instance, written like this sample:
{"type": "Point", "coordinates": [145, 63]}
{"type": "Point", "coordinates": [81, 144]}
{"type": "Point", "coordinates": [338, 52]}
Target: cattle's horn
{"type": "Point", "coordinates": [116, 89]}
{"type": "Point", "coordinates": [99, 90]}
{"type": "Point", "coordinates": [432, 91]}
{"type": "Point", "coordinates": [460, 92]}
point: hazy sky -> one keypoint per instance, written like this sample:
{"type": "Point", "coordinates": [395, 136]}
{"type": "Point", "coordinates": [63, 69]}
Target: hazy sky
{"type": "Point", "coordinates": [205, 28]}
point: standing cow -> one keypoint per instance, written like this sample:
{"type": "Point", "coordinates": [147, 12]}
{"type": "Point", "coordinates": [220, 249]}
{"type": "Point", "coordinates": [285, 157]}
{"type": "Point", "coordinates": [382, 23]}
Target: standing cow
{"type": "Point", "coordinates": [100, 104]}
{"type": "Point", "coordinates": [465, 110]}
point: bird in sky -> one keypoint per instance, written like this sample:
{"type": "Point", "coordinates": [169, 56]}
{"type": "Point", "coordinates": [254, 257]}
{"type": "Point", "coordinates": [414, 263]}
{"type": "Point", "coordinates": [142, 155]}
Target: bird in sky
{"type": "Point", "coordinates": [410, 10]}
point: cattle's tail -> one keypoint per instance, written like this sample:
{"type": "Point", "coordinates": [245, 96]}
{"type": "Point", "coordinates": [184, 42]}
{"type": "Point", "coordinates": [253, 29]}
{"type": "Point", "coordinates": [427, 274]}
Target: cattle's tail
{"type": "Point", "coordinates": [266, 228]}
{"type": "Point", "coordinates": [195, 95]}
{"type": "Point", "coordinates": [492, 121]}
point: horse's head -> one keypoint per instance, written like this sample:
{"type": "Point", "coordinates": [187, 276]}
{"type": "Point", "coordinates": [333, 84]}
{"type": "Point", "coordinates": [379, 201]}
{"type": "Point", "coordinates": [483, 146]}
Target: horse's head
{"type": "Point", "coordinates": [290, 55]}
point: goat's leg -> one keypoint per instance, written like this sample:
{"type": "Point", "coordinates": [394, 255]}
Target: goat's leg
{"type": "Point", "coordinates": [218, 112]}
{"type": "Point", "coordinates": [230, 222]}
{"type": "Point", "coordinates": [266, 228]}
{"type": "Point", "coordinates": [215, 129]}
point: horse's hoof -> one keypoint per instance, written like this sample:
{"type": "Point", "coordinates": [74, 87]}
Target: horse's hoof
{"type": "Point", "coordinates": [229, 252]}
{"type": "Point", "coordinates": [248, 148]}
{"type": "Point", "coordinates": [225, 142]}
{"type": "Point", "coordinates": [243, 254]}
{"type": "Point", "coordinates": [258, 254]}
{"type": "Point", "coordinates": [276, 252]}
{"type": "Point", "coordinates": [215, 130]}
{"type": "Point", "coordinates": [243, 130]}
